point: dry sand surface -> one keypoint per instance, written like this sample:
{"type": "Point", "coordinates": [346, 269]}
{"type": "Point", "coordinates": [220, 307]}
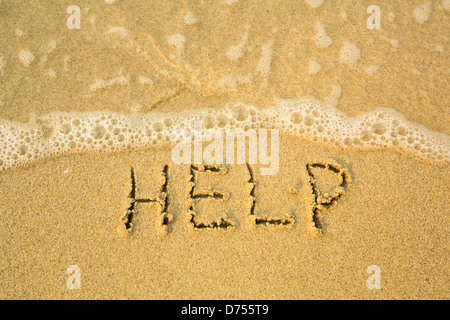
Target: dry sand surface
{"type": "Point", "coordinates": [357, 208]}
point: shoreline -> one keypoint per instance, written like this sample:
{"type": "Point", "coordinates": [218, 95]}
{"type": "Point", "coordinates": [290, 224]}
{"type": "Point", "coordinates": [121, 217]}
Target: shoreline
{"type": "Point", "coordinates": [385, 222]}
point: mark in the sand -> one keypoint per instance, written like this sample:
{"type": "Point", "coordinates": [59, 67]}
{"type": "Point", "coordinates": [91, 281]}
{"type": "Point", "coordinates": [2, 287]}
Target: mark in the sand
{"type": "Point", "coordinates": [222, 222]}
{"type": "Point", "coordinates": [259, 220]}
{"type": "Point", "coordinates": [208, 195]}
{"type": "Point", "coordinates": [325, 194]}
{"type": "Point", "coordinates": [163, 217]}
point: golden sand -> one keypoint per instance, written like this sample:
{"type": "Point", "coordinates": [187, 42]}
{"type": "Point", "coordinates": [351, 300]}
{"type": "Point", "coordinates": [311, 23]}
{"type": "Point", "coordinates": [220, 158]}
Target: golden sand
{"type": "Point", "coordinates": [139, 226]}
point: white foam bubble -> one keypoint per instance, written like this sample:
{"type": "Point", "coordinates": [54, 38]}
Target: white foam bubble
{"type": "Point", "coordinates": [422, 12]}
{"type": "Point", "coordinates": [235, 52]}
{"type": "Point", "coordinates": [393, 42]}
{"type": "Point", "coordinates": [314, 67]}
{"type": "Point", "coordinates": [26, 57]}
{"type": "Point", "coordinates": [2, 64]}
{"type": "Point", "coordinates": [145, 80]}
{"type": "Point", "coordinates": [321, 39]}
{"type": "Point", "coordinates": [265, 61]}
{"type": "Point", "coordinates": [57, 134]}
{"type": "Point", "coordinates": [177, 40]}
{"type": "Point", "coordinates": [18, 32]}
{"type": "Point", "coordinates": [52, 73]}
{"type": "Point", "coordinates": [100, 83]}
{"type": "Point", "coordinates": [314, 3]}
{"type": "Point", "coordinates": [349, 54]}
{"type": "Point", "coordinates": [189, 18]}
{"type": "Point", "coordinates": [371, 69]}
{"type": "Point", "coordinates": [91, 19]}
{"type": "Point", "coordinates": [439, 47]}
{"type": "Point", "coordinates": [66, 62]}
{"type": "Point", "coordinates": [119, 30]}
{"type": "Point", "coordinates": [333, 99]}
{"type": "Point", "coordinates": [233, 80]}
{"type": "Point", "coordinates": [51, 46]}
{"type": "Point", "coordinates": [446, 4]}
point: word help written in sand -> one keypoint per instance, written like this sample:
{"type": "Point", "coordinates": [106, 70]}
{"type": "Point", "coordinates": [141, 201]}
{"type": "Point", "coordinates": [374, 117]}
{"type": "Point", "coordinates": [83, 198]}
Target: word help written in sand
{"type": "Point", "coordinates": [209, 203]}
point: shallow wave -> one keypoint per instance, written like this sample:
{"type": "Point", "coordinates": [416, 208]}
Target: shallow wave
{"type": "Point", "coordinates": [62, 133]}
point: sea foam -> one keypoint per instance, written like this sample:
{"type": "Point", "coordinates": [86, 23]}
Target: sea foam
{"type": "Point", "coordinates": [62, 133]}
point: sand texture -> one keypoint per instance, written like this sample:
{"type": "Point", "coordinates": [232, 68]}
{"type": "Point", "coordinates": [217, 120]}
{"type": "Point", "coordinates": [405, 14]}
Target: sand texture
{"type": "Point", "coordinates": [88, 176]}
